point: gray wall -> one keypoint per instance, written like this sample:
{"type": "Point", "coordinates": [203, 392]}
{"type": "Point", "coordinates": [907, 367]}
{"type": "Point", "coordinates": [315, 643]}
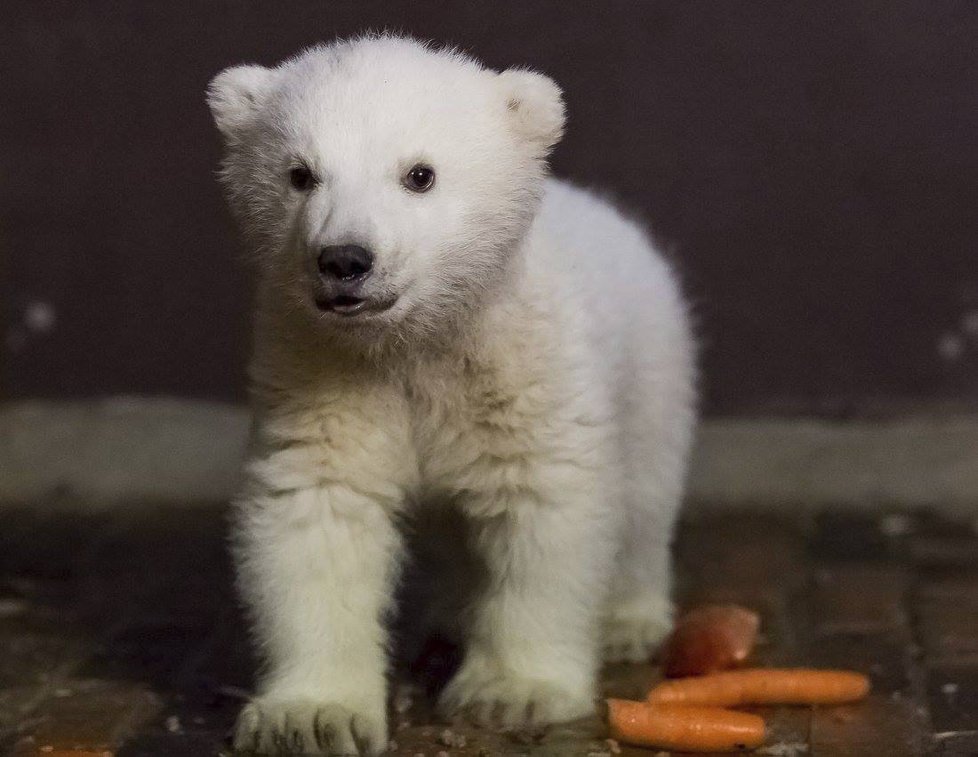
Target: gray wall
{"type": "Point", "coordinates": [813, 167]}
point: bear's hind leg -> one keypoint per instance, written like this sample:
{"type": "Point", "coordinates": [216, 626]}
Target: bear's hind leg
{"type": "Point", "coordinates": [657, 434]}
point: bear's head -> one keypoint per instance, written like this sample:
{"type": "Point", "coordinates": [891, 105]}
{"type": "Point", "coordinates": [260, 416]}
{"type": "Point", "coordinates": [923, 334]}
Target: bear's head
{"type": "Point", "coordinates": [381, 182]}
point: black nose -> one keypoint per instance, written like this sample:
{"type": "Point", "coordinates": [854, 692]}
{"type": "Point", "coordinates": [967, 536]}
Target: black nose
{"type": "Point", "coordinates": [345, 262]}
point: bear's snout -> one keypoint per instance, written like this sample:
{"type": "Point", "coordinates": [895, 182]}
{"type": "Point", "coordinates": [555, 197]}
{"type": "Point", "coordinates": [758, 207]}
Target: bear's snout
{"type": "Point", "coordinates": [343, 272]}
{"type": "Point", "coordinates": [346, 263]}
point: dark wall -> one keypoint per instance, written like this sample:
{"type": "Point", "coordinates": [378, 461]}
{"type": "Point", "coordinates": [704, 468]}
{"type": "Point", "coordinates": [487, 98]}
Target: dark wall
{"type": "Point", "coordinates": [813, 166]}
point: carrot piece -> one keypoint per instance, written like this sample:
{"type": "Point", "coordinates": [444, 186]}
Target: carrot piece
{"type": "Point", "coordinates": [764, 686]}
{"type": "Point", "coordinates": [684, 728]}
{"type": "Point", "coordinates": [710, 638]}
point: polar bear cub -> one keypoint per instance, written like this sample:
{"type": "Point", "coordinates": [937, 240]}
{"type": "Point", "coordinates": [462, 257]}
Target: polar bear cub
{"type": "Point", "coordinates": [441, 325]}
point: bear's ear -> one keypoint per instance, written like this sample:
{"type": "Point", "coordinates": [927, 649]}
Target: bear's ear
{"type": "Point", "coordinates": [235, 95]}
{"type": "Point", "coordinates": [535, 104]}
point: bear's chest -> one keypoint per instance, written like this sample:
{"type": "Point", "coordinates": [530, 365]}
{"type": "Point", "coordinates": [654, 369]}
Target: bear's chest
{"type": "Point", "coordinates": [468, 420]}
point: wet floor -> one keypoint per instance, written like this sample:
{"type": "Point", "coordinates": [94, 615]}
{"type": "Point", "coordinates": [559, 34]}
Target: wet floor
{"type": "Point", "coordinates": [120, 633]}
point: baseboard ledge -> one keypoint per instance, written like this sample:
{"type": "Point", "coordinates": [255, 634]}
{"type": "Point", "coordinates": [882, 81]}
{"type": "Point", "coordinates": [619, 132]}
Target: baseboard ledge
{"type": "Point", "coordinates": [125, 451]}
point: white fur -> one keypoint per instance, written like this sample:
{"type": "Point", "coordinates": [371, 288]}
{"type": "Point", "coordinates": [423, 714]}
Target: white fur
{"type": "Point", "coordinates": [536, 373]}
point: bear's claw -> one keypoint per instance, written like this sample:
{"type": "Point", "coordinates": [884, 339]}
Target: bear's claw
{"type": "Point", "coordinates": [307, 727]}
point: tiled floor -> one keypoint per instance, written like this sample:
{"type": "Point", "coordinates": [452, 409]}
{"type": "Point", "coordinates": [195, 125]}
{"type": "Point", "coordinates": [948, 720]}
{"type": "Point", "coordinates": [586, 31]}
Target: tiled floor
{"type": "Point", "coordinates": [120, 633]}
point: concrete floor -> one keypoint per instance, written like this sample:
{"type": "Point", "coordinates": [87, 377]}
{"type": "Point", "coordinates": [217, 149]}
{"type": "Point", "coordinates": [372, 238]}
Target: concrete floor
{"type": "Point", "coordinates": [119, 633]}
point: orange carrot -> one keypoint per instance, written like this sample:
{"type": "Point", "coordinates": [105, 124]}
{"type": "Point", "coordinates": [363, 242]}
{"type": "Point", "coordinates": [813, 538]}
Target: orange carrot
{"type": "Point", "coordinates": [710, 638]}
{"type": "Point", "coordinates": [684, 728]}
{"type": "Point", "coordinates": [764, 686]}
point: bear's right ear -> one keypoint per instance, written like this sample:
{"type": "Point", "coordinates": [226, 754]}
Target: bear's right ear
{"type": "Point", "coordinates": [535, 104]}
{"type": "Point", "coordinates": [235, 95]}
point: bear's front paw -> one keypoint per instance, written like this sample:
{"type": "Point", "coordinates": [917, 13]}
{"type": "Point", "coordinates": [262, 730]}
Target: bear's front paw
{"type": "Point", "coordinates": [307, 726]}
{"type": "Point", "coordinates": [634, 630]}
{"type": "Point", "coordinates": [512, 701]}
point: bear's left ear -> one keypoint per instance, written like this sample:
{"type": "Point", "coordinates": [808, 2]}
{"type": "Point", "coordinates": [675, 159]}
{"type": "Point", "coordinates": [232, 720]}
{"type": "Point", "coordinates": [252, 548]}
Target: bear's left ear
{"type": "Point", "coordinates": [535, 104]}
{"type": "Point", "coordinates": [235, 95]}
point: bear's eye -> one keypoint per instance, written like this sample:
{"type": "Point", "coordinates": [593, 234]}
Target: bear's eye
{"type": "Point", "coordinates": [301, 178]}
{"type": "Point", "coordinates": [420, 178]}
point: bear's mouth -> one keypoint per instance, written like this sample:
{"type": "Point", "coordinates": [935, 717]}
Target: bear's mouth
{"type": "Point", "coordinates": [349, 305]}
